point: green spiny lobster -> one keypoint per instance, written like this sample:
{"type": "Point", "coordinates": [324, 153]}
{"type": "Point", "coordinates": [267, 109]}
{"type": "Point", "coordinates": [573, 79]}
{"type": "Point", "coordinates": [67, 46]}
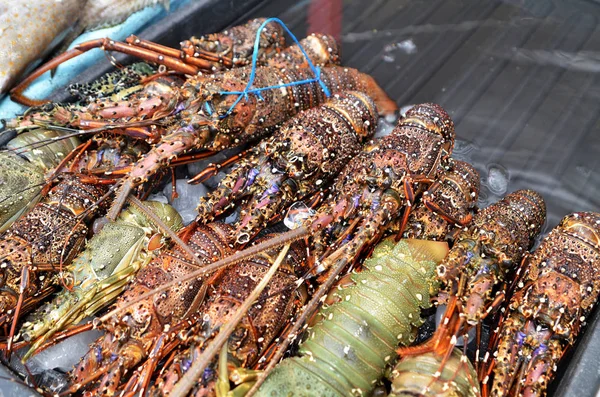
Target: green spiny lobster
{"type": "Point", "coordinates": [101, 272]}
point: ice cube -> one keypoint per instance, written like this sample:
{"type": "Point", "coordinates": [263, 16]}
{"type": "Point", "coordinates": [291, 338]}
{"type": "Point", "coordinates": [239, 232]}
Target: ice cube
{"type": "Point", "coordinates": [296, 215]}
{"type": "Point", "coordinates": [385, 125]}
{"type": "Point", "coordinates": [10, 385]}
{"type": "Point", "coordinates": [187, 200]}
{"type": "Point", "coordinates": [63, 355]}
{"type": "Point", "coordinates": [160, 197]}
{"type": "Point", "coordinates": [497, 180]}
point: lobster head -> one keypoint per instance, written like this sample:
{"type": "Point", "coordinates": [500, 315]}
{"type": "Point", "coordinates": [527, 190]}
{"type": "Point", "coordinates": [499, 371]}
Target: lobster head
{"type": "Point", "coordinates": [236, 45]}
{"type": "Point", "coordinates": [215, 105]}
{"type": "Point", "coordinates": [509, 227]}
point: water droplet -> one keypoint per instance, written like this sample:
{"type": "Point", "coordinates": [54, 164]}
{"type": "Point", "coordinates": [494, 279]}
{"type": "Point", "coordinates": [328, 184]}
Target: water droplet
{"type": "Point", "coordinates": [297, 214]}
{"type": "Point", "coordinates": [497, 180]}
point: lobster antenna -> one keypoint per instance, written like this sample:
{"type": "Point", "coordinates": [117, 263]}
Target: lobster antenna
{"type": "Point", "coordinates": [74, 133]}
{"type": "Point", "coordinates": [308, 311]}
{"type": "Point", "coordinates": [104, 128]}
{"type": "Point", "coordinates": [49, 141]}
{"type": "Point", "coordinates": [189, 379]}
{"type": "Point", "coordinates": [23, 191]}
{"type": "Point", "coordinates": [284, 238]}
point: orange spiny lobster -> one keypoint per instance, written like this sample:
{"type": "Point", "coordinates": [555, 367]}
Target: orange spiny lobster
{"type": "Point", "coordinates": [474, 274]}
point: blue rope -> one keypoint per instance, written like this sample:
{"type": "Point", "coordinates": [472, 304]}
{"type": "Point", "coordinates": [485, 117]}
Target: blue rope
{"type": "Point", "coordinates": [257, 91]}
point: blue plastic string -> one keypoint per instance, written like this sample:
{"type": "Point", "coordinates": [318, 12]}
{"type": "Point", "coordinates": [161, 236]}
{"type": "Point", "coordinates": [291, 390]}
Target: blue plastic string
{"type": "Point", "coordinates": [257, 91]}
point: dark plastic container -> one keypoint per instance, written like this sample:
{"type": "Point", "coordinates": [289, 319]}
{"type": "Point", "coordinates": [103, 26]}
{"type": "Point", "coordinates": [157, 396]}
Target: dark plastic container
{"type": "Point", "coordinates": [519, 77]}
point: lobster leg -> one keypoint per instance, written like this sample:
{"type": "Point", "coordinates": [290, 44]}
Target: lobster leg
{"type": "Point", "coordinates": [233, 187]}
{"type": "Point", "coordinates": [214, 168]}
{"type": "Point", "coordinates": [17, 311]}
{"type": "Point", "coordinates": [205, 63]}
{"type": "Point", "coordinates": [138, 384]}
{"type": "Point", "coordinates": [108, 45]}
{"type": "Point", "coordinates": [172, 146]}
{"type": "Point", "coordinates": [444, 214]}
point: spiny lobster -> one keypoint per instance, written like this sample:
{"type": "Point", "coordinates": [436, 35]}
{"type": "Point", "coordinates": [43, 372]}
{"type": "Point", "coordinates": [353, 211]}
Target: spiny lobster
{"type": "Point", "coordinates": [479, 263]}
{"type": "Point", "coordinates": [557, 290]}
{"type": "Point", "coordinates": [298, 160]}
{"type": "Point", "coordinates": [33, 249]}
{"type": "Point", "coordinates": [111, 259]}
{"type": "Point", "coordinates": [152, 328]}
{"type": "Point", "coordinates": [417, 376]}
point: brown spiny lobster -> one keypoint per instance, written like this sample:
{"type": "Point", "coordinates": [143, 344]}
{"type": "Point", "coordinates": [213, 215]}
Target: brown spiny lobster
{"type": "Point", "coordinates": [33, 249]}
{"type": "Point", "coordinates": [151, 329]}
{"type": "Point", "coordinates": [302, 157]}
{"type": "Point", "coordinates": [202, 114]}
{"type": "Point", "coordinates": [554, 295]}
{"type": "Point", "coordinates": [380, 185]}
{"type": "Point", "coordinates": [474, 274]}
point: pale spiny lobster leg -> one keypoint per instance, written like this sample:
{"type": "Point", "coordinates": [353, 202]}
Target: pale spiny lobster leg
{"type": "Point", "coordinates": [213, 168]}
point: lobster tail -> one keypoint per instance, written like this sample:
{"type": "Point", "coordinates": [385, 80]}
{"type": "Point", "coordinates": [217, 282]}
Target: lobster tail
{"type": "Point", "coordinates": [414, 376]}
